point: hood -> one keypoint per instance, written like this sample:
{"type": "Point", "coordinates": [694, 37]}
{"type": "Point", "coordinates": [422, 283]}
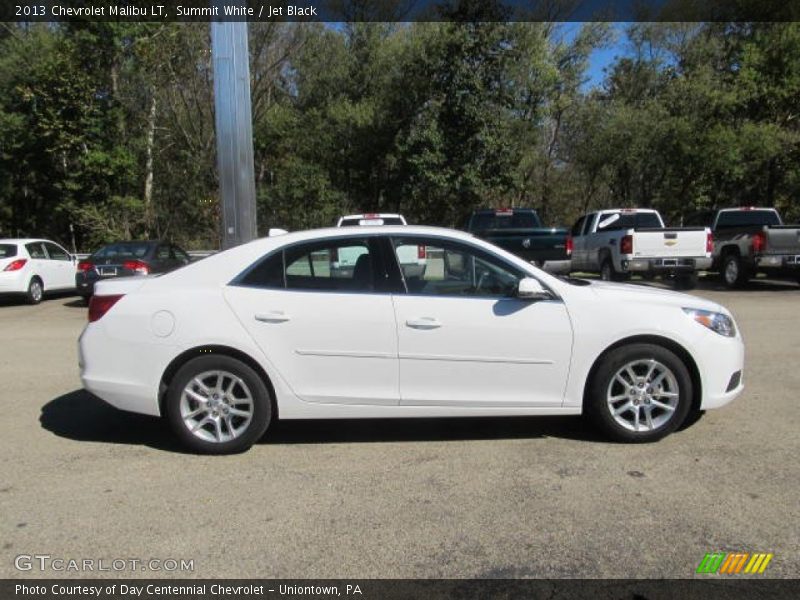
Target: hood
{"type": "Point", "coordinates": [627, 292]}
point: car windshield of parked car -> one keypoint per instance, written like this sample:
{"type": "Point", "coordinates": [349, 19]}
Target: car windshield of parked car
{"type": "Point", "coordinates": [123, 250]}
{"type": "Point", "coordinates": [745, 218]}
{"type": "Point", "coordinates": [452, 269]}
{"type": "Point", "coordinates": [8, 250]}
{"type": "Point", "coordinates": [483, 221]}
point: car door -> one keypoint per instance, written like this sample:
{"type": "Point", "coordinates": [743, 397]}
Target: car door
{"type": "Point", "coordinates": [577, 244]}
{"type": "Point", "coordinates": [327, 325]}
{"type": "Point", "coordinates": [61, 266]}
{"type": "Point", "coordinates": [40, 265]}
{"type": "Point", "coordinates": [465, 339]}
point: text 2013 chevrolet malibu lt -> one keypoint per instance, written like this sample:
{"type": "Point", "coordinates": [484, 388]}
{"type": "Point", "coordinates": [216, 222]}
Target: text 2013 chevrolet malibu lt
{"type": "Point", "coordinates": [399, 322]}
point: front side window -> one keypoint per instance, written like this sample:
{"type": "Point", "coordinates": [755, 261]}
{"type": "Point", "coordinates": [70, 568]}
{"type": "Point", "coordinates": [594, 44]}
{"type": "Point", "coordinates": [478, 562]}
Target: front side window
{"type": "Point", "coordinates": [442, 268]}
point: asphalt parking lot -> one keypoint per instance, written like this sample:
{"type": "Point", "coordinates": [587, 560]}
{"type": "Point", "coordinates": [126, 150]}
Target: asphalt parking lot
{"type": "Point", "coordinates": [518, 497]}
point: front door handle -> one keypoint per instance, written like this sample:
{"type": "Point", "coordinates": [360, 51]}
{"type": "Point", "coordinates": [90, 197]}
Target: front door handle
{"type": "Point", "coordinates": [275, 316]}
{"type": "Point", "coordinates": [424, 323]}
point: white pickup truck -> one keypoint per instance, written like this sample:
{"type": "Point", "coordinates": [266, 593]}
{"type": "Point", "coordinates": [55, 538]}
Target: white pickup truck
{"type": "Point", "coordinates": [619, 242]}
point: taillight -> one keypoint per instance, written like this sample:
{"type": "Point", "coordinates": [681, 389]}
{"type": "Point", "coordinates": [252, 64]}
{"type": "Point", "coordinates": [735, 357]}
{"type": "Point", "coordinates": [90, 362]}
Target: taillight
{"type": "Point", "coordinates": [759, 242]}
{"type": "Point", "coordinates": [136, 266]}
{"type": "Point", "coordinates": [85, 265]}
{"type": "Point", "coordinates": [709, 243]}
{"type": "Point", "coordinates": [569, 245]}
{"type": "Point", "coordinates": [16, 265]}
{"type": "Point", "coordinates": [626, 245]}
{"type": "Point", "coordinates": [421, 253]}
{"type": "Point", "coordinates": [100, 305]}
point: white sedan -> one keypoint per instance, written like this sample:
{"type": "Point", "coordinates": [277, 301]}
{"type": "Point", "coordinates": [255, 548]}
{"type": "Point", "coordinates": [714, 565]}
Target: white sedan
{"type": "Point", "coordinates": [275, 329]}
{"type": "Point", "coordinates": [32, 267]}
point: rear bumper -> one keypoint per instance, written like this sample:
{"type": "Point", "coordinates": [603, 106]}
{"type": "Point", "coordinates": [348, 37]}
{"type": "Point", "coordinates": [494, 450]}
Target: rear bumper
{"type": "Point", "coordinates": [665, 265]}
{"type": "Point", "coordinates": [13, 283]}
{"type": "Point", "coordinates": [789, 262]}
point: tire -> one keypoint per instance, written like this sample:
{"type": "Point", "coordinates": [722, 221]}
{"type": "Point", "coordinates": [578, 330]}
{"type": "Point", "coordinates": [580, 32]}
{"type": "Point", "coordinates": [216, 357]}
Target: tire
{"type": "Point", "coordinates": [607, 394]}
{"type": "Point", "coordinates": [685, 282]}
{"type": "Point", "coordinates": [733, 273]}
{"type": "Point", "coordinates": [35, 291]}
{"type": "Point", "coordinates": [232, 386]}
{"type": "Point", "coordinates": [607, 272]}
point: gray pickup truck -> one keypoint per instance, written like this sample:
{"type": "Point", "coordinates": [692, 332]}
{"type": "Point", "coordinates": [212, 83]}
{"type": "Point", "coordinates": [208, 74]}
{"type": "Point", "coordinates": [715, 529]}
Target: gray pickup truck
{"type": "Point", "coordinates": [520, 231]}
{"type": "Point", "coordinates": [751, 240]}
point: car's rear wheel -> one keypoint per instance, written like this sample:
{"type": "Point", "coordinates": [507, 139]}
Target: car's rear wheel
{"type": "Point", "coordinates": [35, 291]}
{"type": "Point", "coordinates": [640, 393]}
{"type": "Point", "coordinates": [607, 271]}
{"type": "Point", "coordinates": [218, 405]}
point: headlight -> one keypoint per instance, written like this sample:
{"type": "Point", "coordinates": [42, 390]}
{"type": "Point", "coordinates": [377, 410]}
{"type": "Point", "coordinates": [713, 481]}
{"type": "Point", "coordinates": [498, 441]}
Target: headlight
{"type": "Point", "coordinates": [718, 322]}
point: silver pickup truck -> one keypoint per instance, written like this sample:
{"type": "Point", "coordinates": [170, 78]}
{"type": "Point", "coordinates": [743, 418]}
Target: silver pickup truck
{"type": "Point", "coordinates": [751, 240]}
{"type": "Point", "coordinates": [619, 242]}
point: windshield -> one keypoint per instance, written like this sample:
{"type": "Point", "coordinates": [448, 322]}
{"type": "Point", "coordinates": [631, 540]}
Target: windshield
{"type": "Point", "coordinates": [745, 218]}
{"type": "Point", "coordinates": [517, 220]}
{"type": "Point", "coordinates": [8, 250]}
{"type": "Point", "coordinates": [123, 250]}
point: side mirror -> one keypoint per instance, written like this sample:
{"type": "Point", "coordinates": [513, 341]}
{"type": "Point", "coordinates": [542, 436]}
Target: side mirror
{"type": "Point", "coordinates": [530, 289]}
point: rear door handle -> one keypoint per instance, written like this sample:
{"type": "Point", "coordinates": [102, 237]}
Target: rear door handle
{"type": "Point", "coordinates": [424, 323]}
{"type": "Point", "coordinates": [275, 316]}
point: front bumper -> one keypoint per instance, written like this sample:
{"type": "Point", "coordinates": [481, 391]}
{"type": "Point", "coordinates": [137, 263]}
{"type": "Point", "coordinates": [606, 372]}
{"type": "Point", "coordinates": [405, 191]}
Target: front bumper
{"type": "Point", "coordinates": [721, 365]}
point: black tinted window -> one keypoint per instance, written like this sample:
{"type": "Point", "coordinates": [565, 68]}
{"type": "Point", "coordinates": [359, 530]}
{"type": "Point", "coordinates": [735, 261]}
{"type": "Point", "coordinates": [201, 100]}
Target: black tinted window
{"type": "Point", "coordinates": [628, 220]}
{"type": "Point", "coordinates": [502, 220]}
{"type": "Point", "coordinates": [267, 274]}
{"type": "Point", "coordinates": [747, 218]}
{"type": "Point", "coordinates": [8, 250]}
{"type": "Point", "coordinates": [578, 227]}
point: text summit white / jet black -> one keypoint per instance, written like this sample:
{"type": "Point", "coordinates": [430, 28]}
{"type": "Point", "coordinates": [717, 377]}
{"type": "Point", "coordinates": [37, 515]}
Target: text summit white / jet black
{"type": "Point", "coordinates": [399, 321]}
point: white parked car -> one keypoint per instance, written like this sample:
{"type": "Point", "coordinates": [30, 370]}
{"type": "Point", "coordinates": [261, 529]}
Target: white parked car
{"type": "Point", "coordinates": [273, 329]}
{"type": "Point", "coordinates": [33, 267]}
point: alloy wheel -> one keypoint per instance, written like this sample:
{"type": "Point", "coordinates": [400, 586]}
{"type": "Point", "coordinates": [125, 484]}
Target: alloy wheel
{"type": "Point", "coordinates": [643, 395]}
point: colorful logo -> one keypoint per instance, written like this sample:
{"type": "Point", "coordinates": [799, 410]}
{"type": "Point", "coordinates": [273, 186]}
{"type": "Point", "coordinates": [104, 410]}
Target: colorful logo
{"type": "Point", "coordinates": [734, 563]}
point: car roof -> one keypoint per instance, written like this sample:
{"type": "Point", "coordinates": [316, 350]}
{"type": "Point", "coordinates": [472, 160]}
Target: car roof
{"type": "Point", "coordinates": [24, 240]}
{"type": "Point", "coordinates": [372, 215]}
{"type": "Point", "coordinates": [628, 210]}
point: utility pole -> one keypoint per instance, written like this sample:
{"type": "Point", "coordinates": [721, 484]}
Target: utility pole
{"type": "Point", "coordinates": [234, 129]}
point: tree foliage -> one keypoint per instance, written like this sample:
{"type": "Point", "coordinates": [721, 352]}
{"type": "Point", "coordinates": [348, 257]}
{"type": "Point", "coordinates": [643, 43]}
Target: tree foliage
{"type": "Point", "coordinates": [109, 127]}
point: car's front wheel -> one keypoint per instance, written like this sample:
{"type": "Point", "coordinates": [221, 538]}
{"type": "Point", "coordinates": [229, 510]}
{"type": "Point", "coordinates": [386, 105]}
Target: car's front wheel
{"type": "Point", "coordinates": [640, 393]}
{"type": "Point", "coordinates": [218, 405]}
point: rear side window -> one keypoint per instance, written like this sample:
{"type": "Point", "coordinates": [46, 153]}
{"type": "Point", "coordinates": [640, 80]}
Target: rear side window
{"type": "Point", "coordinates": [8, 250]}
{"type": "Point", "coordinates": [36, 250]}
{"type": "Point", "coordinates": [56, 252]}
{"type": "Point", "coordinates": [333, 265]}
{"type": "Point", "coordinates": [747, 218]}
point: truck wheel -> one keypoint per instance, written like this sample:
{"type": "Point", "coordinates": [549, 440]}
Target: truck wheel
{"type": "Point", "coordinates": [685, 282]}
{"type": "Point", "coordinates": [609, 273]}
{"type": "Point", "coordinates": [734, 274]}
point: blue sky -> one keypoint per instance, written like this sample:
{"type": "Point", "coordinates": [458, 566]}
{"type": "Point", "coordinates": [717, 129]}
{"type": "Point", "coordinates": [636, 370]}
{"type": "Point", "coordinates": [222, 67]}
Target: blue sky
{"type": "Point", "coordinates": [601, 58]}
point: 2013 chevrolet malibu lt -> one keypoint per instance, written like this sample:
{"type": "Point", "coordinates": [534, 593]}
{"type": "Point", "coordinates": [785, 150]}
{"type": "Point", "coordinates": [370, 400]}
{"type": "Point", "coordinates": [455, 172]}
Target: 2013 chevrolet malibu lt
{"type": "Point", "coordinates": [280, 328]}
